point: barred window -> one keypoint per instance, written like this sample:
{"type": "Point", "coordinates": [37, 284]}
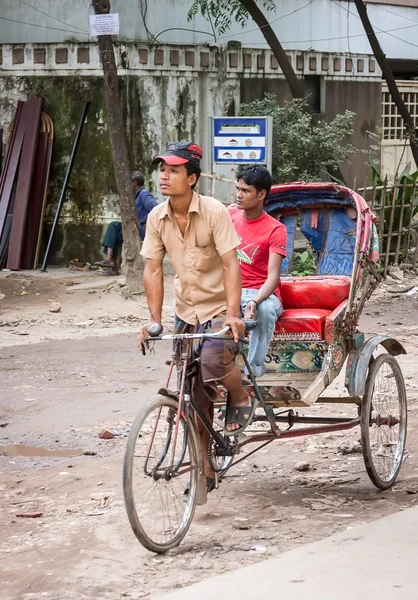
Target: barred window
{"type": "Point", "coordinates": [392, 123]}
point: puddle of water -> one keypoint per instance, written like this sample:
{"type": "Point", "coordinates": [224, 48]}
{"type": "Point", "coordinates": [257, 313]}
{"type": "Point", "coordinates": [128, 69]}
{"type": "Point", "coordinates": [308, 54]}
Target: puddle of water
{"type": "Point", "coordinates": [32, 451]}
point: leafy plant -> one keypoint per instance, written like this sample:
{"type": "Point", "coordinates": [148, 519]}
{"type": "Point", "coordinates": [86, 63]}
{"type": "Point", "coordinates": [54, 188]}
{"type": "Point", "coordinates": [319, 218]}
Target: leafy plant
{"type": "Point", "coordinates": [222, 13]}
{"type": "Point", "coordinates": [303, 150]}
{"type": "Point", "coordinates": [303, 263]}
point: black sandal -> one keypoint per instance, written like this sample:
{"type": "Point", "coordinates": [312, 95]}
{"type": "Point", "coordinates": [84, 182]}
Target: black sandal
{"type": "Point", "coordinates": [243, 415]}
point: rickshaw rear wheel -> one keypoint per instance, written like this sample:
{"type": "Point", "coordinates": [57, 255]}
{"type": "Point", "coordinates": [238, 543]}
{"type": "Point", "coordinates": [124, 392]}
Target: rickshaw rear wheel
{"type": "Point", "coordinates": [384, 421]}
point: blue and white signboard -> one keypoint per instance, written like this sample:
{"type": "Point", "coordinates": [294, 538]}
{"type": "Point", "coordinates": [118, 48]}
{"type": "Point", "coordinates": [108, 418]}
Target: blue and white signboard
{"type": "Point", "coordinates": [242, 140]}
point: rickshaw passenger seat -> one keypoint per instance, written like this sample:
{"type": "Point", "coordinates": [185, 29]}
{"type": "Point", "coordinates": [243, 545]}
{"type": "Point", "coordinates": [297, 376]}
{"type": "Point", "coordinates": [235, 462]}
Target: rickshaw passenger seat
{"type": "Point", "coordinates": [307, 302]}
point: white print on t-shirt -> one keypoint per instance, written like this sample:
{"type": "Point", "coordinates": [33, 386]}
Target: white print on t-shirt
{"type": "Point", "coordinates": [247, 253]}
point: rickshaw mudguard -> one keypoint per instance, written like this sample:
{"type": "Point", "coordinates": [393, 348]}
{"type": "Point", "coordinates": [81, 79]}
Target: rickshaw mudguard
{"type": "Point", "coordinates": [168, 393]}
{"type": "Point", "coordinates": [356, 372]}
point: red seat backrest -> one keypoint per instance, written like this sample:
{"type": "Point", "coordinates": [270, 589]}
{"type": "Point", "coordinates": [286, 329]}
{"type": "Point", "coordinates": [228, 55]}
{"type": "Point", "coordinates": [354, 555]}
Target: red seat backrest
{"type": "Point", "coordinates": [314, 292]}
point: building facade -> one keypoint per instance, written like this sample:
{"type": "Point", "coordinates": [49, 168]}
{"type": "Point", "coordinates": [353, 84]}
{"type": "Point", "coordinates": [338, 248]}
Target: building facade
{"type": "Point", "coordinates": [175, 74]}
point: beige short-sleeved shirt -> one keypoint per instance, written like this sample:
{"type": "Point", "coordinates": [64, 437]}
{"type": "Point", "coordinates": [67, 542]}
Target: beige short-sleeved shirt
{"type": "Point", "coordinates": [196, 257]}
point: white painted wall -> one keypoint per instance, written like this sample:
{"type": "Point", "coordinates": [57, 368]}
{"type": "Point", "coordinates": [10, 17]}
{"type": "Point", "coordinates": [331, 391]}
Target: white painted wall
{"type": "Point", "coordinates": [300, 24]}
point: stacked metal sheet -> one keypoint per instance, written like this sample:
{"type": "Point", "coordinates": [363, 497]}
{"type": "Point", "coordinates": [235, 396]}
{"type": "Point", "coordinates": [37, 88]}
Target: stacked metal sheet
{"type": "Point", "coordinates": [23, 185]}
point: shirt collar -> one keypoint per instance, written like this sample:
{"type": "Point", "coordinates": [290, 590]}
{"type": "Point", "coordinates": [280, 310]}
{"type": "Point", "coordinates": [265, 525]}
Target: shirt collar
{"type": "Point", "coordinates": [193, 207]}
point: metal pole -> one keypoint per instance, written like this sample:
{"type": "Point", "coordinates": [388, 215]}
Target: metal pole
{"type": "Point", "coordinates": [65, 184]}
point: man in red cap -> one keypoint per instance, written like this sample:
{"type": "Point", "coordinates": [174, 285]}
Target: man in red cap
{"type": "Point", "coordinates": [198, 235]}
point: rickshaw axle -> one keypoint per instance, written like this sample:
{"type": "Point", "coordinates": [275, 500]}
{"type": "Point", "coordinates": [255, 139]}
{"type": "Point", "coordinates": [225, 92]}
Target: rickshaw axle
{"type": "Point", "coordinates": [340, 426]}
{"type": "Point", "coordinates": [291, 419]}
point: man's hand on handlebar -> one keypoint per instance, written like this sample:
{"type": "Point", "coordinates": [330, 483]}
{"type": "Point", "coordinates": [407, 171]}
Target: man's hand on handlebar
{"type": "Point", "coordinates": [237, 327]}
{"type": "Point", "coordinates": [152, 330]}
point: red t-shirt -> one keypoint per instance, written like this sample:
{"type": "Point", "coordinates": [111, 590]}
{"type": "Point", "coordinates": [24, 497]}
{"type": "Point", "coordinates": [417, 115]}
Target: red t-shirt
{"type": "Point", "coordinates": [259, 238]}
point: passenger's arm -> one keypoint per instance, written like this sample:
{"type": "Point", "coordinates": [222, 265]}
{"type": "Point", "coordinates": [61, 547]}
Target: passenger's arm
{"type": "Point", "coordinates": [268, 287]}
{"type": "Point", "coordinates": [232, 285]}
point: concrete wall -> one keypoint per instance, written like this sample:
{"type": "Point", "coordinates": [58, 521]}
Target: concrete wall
{"type": "Point", "coordinates": [167, 93]}
{"type": "Point", "coordinates": [364, 99]}
{"type": "Point", "coordinates": [323, 25]}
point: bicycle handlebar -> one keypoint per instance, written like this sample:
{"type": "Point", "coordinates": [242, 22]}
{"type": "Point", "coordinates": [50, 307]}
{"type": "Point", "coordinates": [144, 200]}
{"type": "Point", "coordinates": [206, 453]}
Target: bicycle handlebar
{"type": "Point", "coordinates": [155, 330]}
{"type": "Point", "coordinates": [196, 336]}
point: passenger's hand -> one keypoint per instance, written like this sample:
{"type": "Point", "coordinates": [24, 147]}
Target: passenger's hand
{"type": "Point", "coordinates": [237, 327]}
{"type": "Point", "coordinates": [251, 310]}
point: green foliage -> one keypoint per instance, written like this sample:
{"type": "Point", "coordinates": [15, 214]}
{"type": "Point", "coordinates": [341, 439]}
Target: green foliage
{"type": "Point", "coordinates": [303, 150]}
{"type": "Point", "coordinates": [222, 13]}
{"type": "Point", "coordinates": [303, 263]}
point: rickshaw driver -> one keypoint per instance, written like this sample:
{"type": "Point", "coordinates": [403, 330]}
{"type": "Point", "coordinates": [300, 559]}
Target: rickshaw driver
{"type": "Point", "coordinates": [198, 235]}
{"type": "Point", "coordinates": [262, 248]}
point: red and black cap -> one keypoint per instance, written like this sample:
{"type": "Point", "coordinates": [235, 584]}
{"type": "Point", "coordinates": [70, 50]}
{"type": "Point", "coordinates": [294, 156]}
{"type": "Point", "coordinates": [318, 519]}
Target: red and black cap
{"type": "Point", "coordinates": [180, 153]}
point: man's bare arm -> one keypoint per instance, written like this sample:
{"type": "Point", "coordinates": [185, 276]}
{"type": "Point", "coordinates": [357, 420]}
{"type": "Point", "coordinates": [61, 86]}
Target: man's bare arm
{"type": "Point", "coordinates": [154, 288]}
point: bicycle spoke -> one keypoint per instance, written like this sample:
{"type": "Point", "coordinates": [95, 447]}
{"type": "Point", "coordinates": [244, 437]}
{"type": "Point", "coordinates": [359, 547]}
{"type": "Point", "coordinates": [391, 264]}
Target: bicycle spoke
{"type": "Point", "coordinates": [384, 427]}
{"type": "Point", "coordinates": [163, 510]}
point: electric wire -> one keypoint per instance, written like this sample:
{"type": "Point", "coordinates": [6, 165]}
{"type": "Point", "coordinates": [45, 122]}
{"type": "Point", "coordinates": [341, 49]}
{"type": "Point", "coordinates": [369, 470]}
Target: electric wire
{"type": "Point", "coordinates": [240, 32]}
{"type": "Point", "coordinates": [50, 16]}
{"type": "Point", "coordinates": [44, 26]}
{"type": "Point", "coordinates": [381, 30]}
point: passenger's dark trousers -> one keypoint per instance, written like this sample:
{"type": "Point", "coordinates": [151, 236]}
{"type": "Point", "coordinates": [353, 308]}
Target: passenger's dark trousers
{"type": "Point", "coordinates": [113, 237]}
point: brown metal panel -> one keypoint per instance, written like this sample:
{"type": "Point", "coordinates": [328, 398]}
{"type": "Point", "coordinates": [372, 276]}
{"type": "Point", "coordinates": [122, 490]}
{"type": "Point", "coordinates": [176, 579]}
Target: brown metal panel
{"type": "Point", "coordinates": [9, 174]}
{"type": "Point", "coordinates": [4, 240]}
{"type": "Point", "coordinates": [9, 145]}
{"type": "Point", "coordinates": [35, 203]}
{"type": "Point", "coordinates": [31, 117]}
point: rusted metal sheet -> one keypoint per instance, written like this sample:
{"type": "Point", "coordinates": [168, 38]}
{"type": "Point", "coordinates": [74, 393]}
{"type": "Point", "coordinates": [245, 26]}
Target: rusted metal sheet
{"type": "Point", "coordinates": [4, 240]}
{"type": "Point", "coordinates": [31, 117]}
{"type": "Point", "coordinates": [10, 166]}
{"type": "Point", "coordinates": [10, 173]}
{"type": "Point", "coordinates": [35, 203]}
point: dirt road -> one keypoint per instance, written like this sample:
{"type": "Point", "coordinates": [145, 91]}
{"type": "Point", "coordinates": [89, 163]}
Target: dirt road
{"type": "Point", "coordinates": [57, 395]}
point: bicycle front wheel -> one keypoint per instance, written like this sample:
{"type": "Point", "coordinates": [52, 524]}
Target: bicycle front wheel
{"type": "Point", "coordinates": [160, 475]}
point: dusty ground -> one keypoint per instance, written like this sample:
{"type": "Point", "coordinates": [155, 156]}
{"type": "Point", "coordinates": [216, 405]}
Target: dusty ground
{"type": "Point", "coordinates": [66, 376]}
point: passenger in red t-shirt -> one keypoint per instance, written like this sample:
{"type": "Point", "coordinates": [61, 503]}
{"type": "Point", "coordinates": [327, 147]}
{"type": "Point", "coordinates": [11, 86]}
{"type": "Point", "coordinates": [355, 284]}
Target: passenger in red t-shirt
{"type": "Point", "coordinates": [263, 245]}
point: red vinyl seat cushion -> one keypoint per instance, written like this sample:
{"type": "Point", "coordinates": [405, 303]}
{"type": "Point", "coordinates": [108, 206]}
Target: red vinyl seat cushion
{"type": "Point", "coordinates": [314, 292]}
{"type": "Point", "coordinates": [303, 320]}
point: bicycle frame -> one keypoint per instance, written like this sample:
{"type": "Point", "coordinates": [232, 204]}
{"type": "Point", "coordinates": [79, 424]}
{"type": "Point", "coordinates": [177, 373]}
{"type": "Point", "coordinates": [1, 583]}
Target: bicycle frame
{"type": "Point", "coordinates": [183, 357]}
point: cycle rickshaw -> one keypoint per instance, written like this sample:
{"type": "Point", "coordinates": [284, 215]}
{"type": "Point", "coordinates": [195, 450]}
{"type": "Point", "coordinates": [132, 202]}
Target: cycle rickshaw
{"type": "Point", "coordinates": [315, 337]}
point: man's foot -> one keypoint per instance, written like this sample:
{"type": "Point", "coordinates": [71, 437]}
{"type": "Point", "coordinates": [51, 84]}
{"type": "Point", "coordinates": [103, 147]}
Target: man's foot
{"type": "Point", "coordinates": [239, 416]}
{"type": "Point", "coordinates": [105, 263]}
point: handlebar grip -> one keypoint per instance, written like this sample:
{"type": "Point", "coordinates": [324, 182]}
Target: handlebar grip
{"type": "Point", "coordinates": [155, 329]}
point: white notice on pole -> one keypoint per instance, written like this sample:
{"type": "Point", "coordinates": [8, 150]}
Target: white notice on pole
{"type": "Point", "coordinates": [104, 24]}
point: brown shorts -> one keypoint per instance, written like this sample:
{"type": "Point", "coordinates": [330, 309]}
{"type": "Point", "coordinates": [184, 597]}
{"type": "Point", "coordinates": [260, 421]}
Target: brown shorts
{"type": "Point", "coordinates": [217, 357]}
